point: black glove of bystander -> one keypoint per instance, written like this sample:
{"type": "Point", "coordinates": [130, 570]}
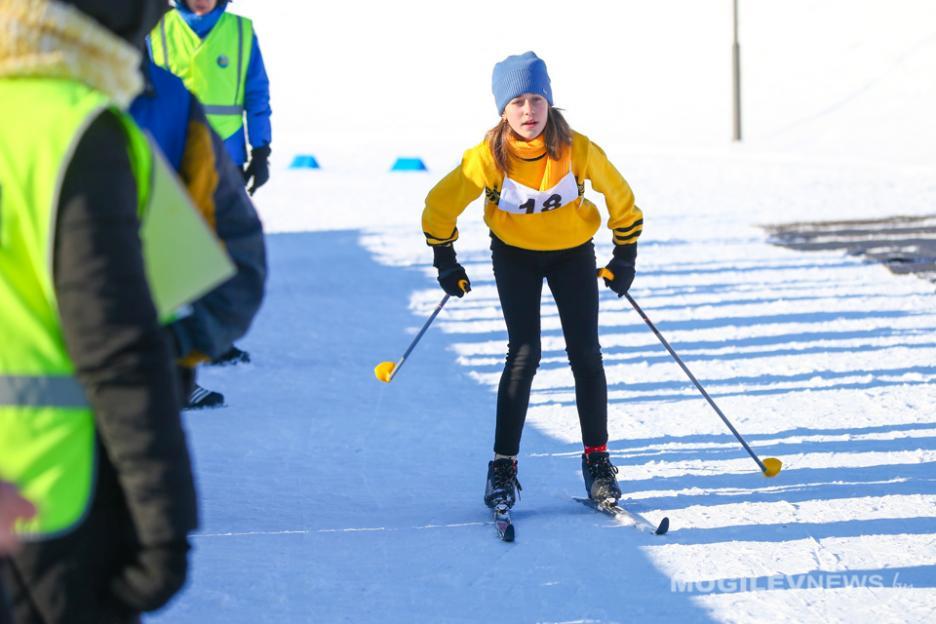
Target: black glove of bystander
{"type": "Point", "coordinates": [152, 578]}
{"type": "Point", "coordinates": [450, 272]}
{"type": "Point", "coordinates": [622, 266]}
{"type": "Point", "coordinates": [258, 169]}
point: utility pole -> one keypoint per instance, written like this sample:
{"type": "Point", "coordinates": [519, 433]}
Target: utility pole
{"type": "Point", "coordinates": [736, 77]}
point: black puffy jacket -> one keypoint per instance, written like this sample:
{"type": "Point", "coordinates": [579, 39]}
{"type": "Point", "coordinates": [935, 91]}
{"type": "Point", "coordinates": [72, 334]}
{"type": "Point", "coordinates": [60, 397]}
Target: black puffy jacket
{"type": "Point", "coordinates": [130, 553]}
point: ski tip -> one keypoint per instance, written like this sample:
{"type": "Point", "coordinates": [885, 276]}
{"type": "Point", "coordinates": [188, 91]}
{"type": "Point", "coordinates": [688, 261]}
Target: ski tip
{"type": "Point", "coordinates": [663, 527]}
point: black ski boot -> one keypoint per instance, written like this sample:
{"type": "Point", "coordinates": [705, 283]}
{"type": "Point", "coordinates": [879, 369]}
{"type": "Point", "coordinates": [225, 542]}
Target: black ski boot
{"type": "Point", "coordinates": [202, 398]}
{"type": "Point", "coordinates": [230, 357]}
{"type": "Point", "coordinates": [600, 482]}
{"type": "Point", "coordinates": [502, 484]}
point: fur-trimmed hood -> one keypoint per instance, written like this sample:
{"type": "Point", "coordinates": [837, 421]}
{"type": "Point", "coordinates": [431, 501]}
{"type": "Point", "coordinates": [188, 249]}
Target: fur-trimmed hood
{"type": "Point", "coordinates": [52, 39]}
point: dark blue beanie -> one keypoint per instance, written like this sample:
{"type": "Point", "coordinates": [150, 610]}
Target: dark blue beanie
{"type": "Point", "coordinates": [519, 74]}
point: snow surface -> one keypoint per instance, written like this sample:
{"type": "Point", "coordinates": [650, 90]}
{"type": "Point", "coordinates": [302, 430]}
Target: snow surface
{"type": "Point", "coordinates": [330, 497]}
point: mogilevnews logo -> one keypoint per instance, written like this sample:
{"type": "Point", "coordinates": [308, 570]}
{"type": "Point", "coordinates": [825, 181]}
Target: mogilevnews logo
{"type": "Point", "coordinates": [831, 580]}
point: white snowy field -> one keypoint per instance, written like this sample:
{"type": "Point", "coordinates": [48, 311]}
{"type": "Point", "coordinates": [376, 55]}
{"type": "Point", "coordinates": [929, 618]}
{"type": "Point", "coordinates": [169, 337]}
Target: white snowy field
{"type": "Point", "coordinates": [330, 497]}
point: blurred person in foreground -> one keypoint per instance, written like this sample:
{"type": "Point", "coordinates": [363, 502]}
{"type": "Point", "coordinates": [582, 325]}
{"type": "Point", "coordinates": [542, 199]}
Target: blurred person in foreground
{"type": "Point", "coordinates": [99, 245]}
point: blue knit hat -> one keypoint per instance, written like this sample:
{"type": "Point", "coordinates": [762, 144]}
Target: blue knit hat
{"type": "Point", "coordinates": [519, 74]}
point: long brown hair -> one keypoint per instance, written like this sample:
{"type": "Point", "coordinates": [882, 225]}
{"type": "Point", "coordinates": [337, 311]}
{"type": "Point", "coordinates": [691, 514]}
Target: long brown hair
{"type": "Point", "coordinates": [557, 133]}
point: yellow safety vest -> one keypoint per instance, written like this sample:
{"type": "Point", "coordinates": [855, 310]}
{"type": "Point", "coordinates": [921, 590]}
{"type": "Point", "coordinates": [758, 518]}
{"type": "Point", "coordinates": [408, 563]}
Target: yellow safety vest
{"type": "Point", "coordinates": [46, 425]}
{"type": "Point", "coordinates": [213, 68]}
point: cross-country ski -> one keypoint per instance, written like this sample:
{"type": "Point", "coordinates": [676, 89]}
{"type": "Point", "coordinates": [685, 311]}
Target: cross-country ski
{"type": "Point", "coordinates": [616, 510]}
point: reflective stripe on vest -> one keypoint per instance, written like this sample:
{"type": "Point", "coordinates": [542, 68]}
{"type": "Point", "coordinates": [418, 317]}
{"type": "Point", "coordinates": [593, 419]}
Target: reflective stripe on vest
{"type": "Point", "coordinates": [223, 110]}
{"type": "Point", "coordinates": [47, 430]}
{"type": "Point", "coordinates": [213, 68]}
{"type": "Point", "coordinates": [41, 391]}
{"type": "Point", "coordinates": [47, 443]}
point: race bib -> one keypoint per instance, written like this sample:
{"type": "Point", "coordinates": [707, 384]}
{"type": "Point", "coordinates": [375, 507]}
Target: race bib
{"type": "Point", "coordinates": [516, 198]}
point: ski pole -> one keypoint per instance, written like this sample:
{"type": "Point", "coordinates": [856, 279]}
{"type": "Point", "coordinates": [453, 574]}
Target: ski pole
{"type": "Point", "coordinates": [771, 465]}
{"type": "Point", "coordinates": [386, 371]}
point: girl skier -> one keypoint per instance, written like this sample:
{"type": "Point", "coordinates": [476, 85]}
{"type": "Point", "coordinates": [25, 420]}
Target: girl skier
{"type": "Point", "coordinates": [532, 169]}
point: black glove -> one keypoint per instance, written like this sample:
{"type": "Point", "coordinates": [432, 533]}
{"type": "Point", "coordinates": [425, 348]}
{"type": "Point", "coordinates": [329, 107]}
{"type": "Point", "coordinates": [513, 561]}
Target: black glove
{"type": "Point", "coordinates": [258, 169]}
{"type": "Point", "coordinates": [450, 272]}
{"type": "Point", "coordinates": [152, 578]}
{"type": "Point", "coordinates": [622, 266]}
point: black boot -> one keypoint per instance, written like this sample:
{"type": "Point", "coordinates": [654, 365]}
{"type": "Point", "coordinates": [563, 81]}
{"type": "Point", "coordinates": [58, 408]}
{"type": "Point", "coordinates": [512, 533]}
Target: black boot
{"type": "Point", "coordinates": [232, 356]}
{"type": "Point", "coordinates": [502, 484]}
{"type": "Point", "coordinates": [202, 398]}
{"type": "Point", "coordinates": [600, 482]}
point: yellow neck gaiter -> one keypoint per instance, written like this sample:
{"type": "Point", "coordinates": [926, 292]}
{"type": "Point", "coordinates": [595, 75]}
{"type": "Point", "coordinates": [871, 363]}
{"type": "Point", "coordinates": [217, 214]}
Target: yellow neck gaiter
{"type": "Point", "coordinates": [530, 150]}
{"type": "Point", "coordinates": [49, 39]}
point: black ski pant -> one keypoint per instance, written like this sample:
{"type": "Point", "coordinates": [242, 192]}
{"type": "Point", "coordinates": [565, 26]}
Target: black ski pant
{"type": "Point", "coordinates": [570, 274]}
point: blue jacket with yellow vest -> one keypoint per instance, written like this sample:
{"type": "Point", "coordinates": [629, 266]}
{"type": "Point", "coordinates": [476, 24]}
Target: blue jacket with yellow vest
{"type": "Point", "coordinates": [177, 122]}
{"type": "Point", "coordinates": [256, 97]}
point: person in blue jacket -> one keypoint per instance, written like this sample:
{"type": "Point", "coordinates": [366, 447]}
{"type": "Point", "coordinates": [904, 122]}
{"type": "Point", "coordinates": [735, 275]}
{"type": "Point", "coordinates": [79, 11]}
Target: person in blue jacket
{"type": "Point", "coordinates": [217, 55]}
{"type": "Point", "coordinates": [176, 121]}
